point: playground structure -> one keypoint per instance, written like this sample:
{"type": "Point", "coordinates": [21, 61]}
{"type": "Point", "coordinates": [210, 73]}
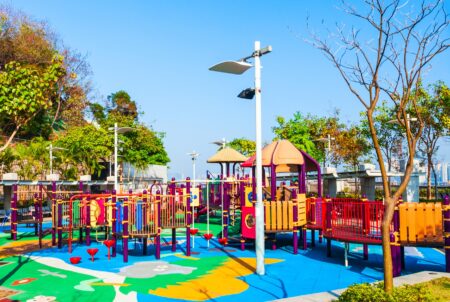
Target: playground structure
{"type": "Point", "coordinates": [143, 216]}
{"type": "Point", "coordinates": [359, 221]}
{"type": "Point", "coordinates": [139, 216]}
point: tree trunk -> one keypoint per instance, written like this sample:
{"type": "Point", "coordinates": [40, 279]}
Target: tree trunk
{"type": "Point", "coordinates": [435, 182]}
{"type": "Point", "coordinates": [10, 139]}
{"type": "Point", "coordinates": [386, 243]}
{"type": "Point", "coordinates": [429, 167]}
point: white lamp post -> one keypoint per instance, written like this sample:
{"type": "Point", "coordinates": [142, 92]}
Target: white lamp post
{"type": "Point", "coordinates": [117, 130]}
{"type": "Point", "coordinates": [193, 156]}
{"type": "Point", "coordinates": [327, 139]}
{"type": "Point", "coordinates": [239, 67]}
{"type": "Point", "coordinates": [50, 149]}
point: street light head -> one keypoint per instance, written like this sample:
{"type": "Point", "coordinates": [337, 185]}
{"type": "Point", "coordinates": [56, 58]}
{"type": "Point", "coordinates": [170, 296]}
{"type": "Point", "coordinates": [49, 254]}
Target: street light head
{"type": "Point", "coordinates": [234, 67]}
{"type": "Point", "coordinates": [265, 50]}
{"type": "Point", "coordinates": [248, 94]}
{"type": "Point", "coordinates": [124, 129]}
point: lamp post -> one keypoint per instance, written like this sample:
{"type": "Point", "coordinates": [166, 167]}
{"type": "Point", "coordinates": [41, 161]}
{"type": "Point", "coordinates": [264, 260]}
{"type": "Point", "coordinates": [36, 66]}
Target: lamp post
{"type": "Point", "coordinates": [327, 139]}
{"type": "Point", "coordinates": [239, 67]}
{"type": "Point", "coordinates": [50, 149]}
{"type": "Point", "coordinates": [193, 156]}
{"type": "Point", "coordinates": [117, 130]}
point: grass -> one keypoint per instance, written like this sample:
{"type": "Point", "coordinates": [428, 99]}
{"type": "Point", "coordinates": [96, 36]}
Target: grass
{"type": "Point", "coordinates": [439, 288]}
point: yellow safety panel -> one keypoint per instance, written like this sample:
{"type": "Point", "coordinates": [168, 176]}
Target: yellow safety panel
{"type": "Point", "coordinates": [267, 215]}
{"type": "Point", "coordinates": [291, 215]}
{"type": "Point", "coordinates": [420, 222]}
{"type": "Point", "coordinates": [279, 216]}
{"type": "Point", "coordinates": [195, 197]}
{"type": "Point", "coordinates": [301, 210]}
{"type": "Point", "coordinates": [285, 225]}
{"type": "Point", "coordinates": [412, 222]}
{"type": "Point", "coordinates": [301, 197]}
{"type": "Point", "coordinates": [430, 230]}
{"type": "Point", "coordinates": [248, 193]}
{"type": "Point", "coordinates": [273, 215]}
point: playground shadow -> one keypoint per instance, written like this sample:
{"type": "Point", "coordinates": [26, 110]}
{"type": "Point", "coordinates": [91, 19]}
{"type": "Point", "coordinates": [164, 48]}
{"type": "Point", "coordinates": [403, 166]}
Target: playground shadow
{"type": "Point", "coordinates": [21, 261]}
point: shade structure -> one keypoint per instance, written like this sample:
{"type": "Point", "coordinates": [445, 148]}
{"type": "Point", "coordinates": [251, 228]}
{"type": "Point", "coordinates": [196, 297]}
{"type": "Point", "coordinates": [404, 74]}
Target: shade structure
{"type": "Point", "coordinates": [227, 155]}
{"type": "Point", "coordinates": [283, 154]}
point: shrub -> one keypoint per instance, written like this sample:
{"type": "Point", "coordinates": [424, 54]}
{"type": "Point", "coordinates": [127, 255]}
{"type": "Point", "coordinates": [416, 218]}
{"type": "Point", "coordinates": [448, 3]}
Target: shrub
{"type": "Point", "coordinates": [375, 293]}
{"type": "Point", "coordinates": [363, 293]}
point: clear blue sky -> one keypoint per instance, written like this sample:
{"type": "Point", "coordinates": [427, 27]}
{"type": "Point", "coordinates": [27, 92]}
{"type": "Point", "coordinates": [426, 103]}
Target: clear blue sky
{"type": "Point", "coordinates": [160, 52]}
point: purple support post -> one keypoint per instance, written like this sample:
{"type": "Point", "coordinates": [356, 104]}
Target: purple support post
{"type": "Point", "coordinates": [395, 246]}
{"type": "Point", "coordinates": [305, 245]}
{"type": "Point", "coordinates": [226, 201]}
{"type": "Point", "coordinates": [40, 216]}
{"type": "Point", "coordinates": [295, 214]}
{"type": "Point", "coordinates": [88, 219]}
{"type": "Point", "coordinates": [228, 169]}
{"type": "Point", "coordinates": [60, 218]}
{"type": "Point", "coordinates": [365, 251]}
{"type": "Point", "coordinates": [189, 217]}
{"type": "Point", "coordinates": [36, 212]}
{"type": "Point", "coordinates": [313, 238]}
{"type": "Point", "coordinates": [14, 212]}
{"type": "Point", "coordinates": [172, 188]}
{"type": "Point", "coordinates": [158, 235]}
{"type": "Point", "coordinates": [254, 184]}
{"type": "Point", "coordinates": [80, 237]}
{"type": "Point", "coordinates": [242, 193]}
{"type": "Point", "coordinates": [125, 230]}
{"type": "Point", "coordinates": [273, 182]}
{"type": "Point", "coordinates": [114, 222]}
{"type": "Point", "coordinates": [54, 213]}
{"type": "Point", "coordinates": [303, 175]}
{"type": "Point", "coordinates": [446, 206]}
{"type": "Point", "coordinates": [145, 222]}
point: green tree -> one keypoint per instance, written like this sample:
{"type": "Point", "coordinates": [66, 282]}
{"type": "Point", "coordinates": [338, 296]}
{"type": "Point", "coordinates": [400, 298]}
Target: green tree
{"type": "Point", "coordinates": [121, 105]}
{"type": "Point", "coordinates": [245, 146]}
{"type": "Point", "coordinates": [32, 158]}
{"type": "Point", "coordinates": [87, 146]}
{"type": "Point", "coordinates": [26, 91]}
{"type": "Point", "coordinates": [297, 131]}
{"type": "Point", "coordinates": [32, 43]}
{"type": "Point", "coordinates": [434, 111]}
{"type": "Point", "coordinates": [141, 147]}
{"type": "Point", "coordinates": [7, 158]}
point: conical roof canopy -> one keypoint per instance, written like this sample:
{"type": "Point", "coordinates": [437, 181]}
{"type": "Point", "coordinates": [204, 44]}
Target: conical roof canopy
{"type": "Point", "coordinates": [227, 155]}
{"type": "Point", "coordinates": [282, 154]}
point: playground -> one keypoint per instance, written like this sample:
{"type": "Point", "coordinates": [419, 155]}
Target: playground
{"type": "Point", "coordinates": [195, 239]}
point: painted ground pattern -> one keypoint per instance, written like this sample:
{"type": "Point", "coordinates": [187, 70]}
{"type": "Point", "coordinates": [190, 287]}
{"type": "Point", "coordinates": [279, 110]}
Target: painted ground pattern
{"type": "Point", "coordinates": [214, 273]}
